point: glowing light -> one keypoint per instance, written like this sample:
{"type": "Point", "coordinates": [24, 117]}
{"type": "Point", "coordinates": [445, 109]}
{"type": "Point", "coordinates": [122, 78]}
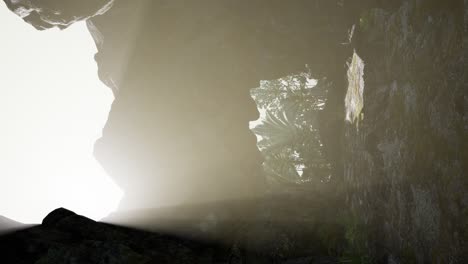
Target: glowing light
{"type": "Point", "coordinates": [52, 109]}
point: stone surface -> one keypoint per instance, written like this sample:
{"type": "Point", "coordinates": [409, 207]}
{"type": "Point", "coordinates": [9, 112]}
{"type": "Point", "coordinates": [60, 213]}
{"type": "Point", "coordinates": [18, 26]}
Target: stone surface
{"type": "Point", "coordinates": [45, 14]}
{"type": "Point", "coordinates": [65, 237]}
{"type": "Point", "coordinates": [406, 160]}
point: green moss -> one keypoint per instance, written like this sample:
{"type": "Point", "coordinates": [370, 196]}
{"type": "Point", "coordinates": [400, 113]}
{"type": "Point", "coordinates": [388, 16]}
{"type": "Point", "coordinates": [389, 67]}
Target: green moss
{"type": "Point", "coordinates": [407, 256]}
{"type": "Point", "coordinates": [356, 237]}
{"type": "Point", "coordinates": [364, 20]}
{"type": "Point", "coordinates": [355, 260]}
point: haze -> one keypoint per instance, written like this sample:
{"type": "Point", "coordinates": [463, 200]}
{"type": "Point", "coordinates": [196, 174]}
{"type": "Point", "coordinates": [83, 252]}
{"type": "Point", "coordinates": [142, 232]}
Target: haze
{"type": "Point", "coordinates": [51, 112]}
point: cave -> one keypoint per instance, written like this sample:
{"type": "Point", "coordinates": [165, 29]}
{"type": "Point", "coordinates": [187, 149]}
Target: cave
{"type": "Point", "coordinates": [358, 155]}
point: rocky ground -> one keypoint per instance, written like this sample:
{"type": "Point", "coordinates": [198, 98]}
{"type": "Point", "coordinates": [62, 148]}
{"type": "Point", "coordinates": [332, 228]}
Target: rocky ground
{"type": "Point", "coordinates": [275, 234]}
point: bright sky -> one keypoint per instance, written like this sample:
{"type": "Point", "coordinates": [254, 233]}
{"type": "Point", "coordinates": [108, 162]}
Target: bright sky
{"type": "Point", "coordinates": [52, 109]}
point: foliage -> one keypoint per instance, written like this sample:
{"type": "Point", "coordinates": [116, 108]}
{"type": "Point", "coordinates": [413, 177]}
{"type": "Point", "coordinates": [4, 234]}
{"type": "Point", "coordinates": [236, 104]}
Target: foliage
{"type": "Point", "coordinates": [288, 129]}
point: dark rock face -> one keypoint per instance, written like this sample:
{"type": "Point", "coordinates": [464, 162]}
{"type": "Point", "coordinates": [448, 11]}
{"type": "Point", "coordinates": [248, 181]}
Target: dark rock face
{"type": "Point", "coordinates": [70, 238]}
{"type": "Point", "coordinates": [406, 158]}
{"type": "Point", "coordinates": [65, 237]}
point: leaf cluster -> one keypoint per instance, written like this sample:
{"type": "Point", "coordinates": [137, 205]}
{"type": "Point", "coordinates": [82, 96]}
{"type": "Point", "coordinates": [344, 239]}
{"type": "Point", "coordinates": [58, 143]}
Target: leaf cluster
{"type": "Point", "coordinates": [289, 132]}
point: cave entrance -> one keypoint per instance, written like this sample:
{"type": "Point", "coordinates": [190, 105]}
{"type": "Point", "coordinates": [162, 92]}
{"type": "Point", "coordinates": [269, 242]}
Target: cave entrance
{"type": "Point", "coordinates": [53, 108]}
{"type": "Point", "coordinates": [288, 130]}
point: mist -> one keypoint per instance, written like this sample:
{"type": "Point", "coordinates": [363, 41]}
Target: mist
{"type": "Point", "coordinates": [52, 109]}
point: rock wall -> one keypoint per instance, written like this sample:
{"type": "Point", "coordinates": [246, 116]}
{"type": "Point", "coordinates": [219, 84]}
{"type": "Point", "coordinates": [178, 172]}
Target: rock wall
{"type": "Point", "coordinates": [45, 14]}
{"type": "Point", "coordinates": [406, 159]}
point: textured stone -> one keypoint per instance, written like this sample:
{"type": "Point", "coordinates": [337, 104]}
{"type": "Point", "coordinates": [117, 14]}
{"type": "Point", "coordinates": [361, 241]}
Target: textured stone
{"type": "Point", "coordinates": [406, 163]}
{"type": "Point", "coordinates": [65, 237]}
{"type": "Point", "coordinates": [44, 14]}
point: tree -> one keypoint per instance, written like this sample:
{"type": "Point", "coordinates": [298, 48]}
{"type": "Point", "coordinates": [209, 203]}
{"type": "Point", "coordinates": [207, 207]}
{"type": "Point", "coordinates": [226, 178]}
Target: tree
{"type": "Point", "coordinates": [288, 129]}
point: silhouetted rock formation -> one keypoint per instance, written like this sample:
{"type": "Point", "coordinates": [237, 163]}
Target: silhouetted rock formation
{"type": "Point", "coordinates": [65, 237]}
